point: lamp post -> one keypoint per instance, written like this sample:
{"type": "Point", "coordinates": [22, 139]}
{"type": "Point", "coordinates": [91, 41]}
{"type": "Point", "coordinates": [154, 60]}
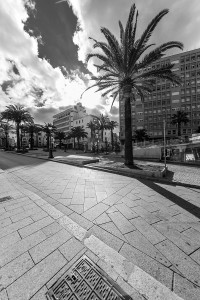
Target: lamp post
{"type": "Point", "coordinates": [164, 129]}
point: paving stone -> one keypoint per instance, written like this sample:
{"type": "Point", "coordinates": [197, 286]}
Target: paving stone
{"type": "Point", "coordinates": [15, 269]}
{"type": "Point", "coordinates": [107, 269]}
{"type": "Point", "coordinates": [184, 242]}
{"type": "Point", "coordinates": [51, 229]}
{"type": "Point", "coordinates": [9, 239]}
{"type": "Point", "coordinates": [15, 226]}
{"type": "Point", "coordinates": [11, 213]}
{"type": "Point", "coordinates": [196, 256]}
{"type": "Point", "coordinates": [5, 222]}
{"type": "Point", "coordinates": [67, 194]}
{"type": "Point", "coordinates": [71, 226]}
{"type": "Point", "coordinates": [40, 295]}
{"type": "Point", "coordinates": [132, 196]}
{"type": "Point", "coordinates": [153, 235]}
{"type": "Point", "coordinates": [15, 206]}
{"type": "Point", "coordinates": [185, 289]}
{"type": "Point", "coordinates": [90, 193]}
{"type": "Point", "coordinates": [32, 281]}
{"type": "Point", "coordinates": [106, 237]}
{"type": "Point", "coordinates": [121, 222]}
{"type": "Point", "coordinates": [81, 220]}
{"type": "Point", "coordinates": [148, 264]}
{"type": "Point", "coordinates": [10, 253]}
{"type": "Point", "coordinates": [101, 196]}
{"type": "Point", "coordinates": [149, 217]}
{"type": "Point", "coordinates": [3, 295]}
{"type": "Point", "coordinates": [180, 260]}
{"type": "Point", "coordinates": [28, 230]}
{"type": "Point", "coordinates": [65, 210]}
{"type": "Point", "coordinates": [79, 188]}
{"type": "Point", "coordinates": [104, 218]}
{"type": "Point", "coordinates": [52, 211]}
{"type": "Point", "coordinates": [89, 202]}
{"type": "Point", "coordinates": [71, 248]}
{"type": "Point", "coordinates": [49, 245]}
{"type": "Point", "coordinates": [2, 210]}
{"type": "Point", "coordinates": [38, 216]}
{"type": "Point", "coordinates": [125, 210]}
{"type": "Point", "coordinates": [129, 289]}
{"type": "Point", "coordinates": [111, 200]}
{"type": "Point", "coordinates": [111, 210]}
{"type": "Point", "coordinates": [95, 211]}
{"type": "Point", "coordinates": [77, 208]}
{"type": "Point", "coordinates": [78, 198]}
{"type": "Point", "coordinates": [111, 228]}
{"type": "Point", "coordinates": [65, 201]}
{"type": "Point", "coordinates": [24, 214]}
{"type": "Point", "coordinates": [137, 240]}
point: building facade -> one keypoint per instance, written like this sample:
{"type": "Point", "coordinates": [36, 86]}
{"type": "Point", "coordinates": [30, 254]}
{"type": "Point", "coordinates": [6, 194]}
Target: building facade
{"type": "Point", "coordinates": [167, 98]}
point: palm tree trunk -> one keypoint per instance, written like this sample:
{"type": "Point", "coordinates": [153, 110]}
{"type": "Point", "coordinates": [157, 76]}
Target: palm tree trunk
{"type": "Point", "coordinates": [74, 142]}
{"type": "Point", "coordinates": [32, 141]}
{"type": "Point", "coordinates": [179, 129]}
{"type": "Point", "coordinates": [18, 139]}
{"type": "Point", "coordinates": [128, 127]}
{"type": "Point", "coordinates": [78, 143]}
{"type": "Point", "coordinates": [102, 135]}
{"type": "Point", "coordinates": [60, 143]}
{"type": "Point", "coordinates": [6, 140]}
{"type": "Point", "coordinates": [48, 142]}
{"type": "Point", "coordinates": [112, 139]}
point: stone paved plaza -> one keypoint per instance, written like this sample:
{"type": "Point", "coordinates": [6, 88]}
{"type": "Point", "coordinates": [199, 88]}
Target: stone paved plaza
{"type": "Point", "coordinates": [131, 228]}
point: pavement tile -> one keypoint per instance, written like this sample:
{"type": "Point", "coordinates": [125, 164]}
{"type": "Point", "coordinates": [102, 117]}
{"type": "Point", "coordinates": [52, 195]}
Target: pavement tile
{"type": "Point", "coordinates": [52, 211]}
{"type": "Point", "coordinates": [24, 214]}
{"type": "Point", "coordinates": [49, 245]}
{"type": "Point", "coordinates": [21, 204]}
{"type": "Point", "coordinates": [51, 229]}
{"type": "Point", "coordinates": [107, 269]}
{"type": "Point", "coordinates": [184, 242]}
{"type": "Point", "coordinates": [40, 295]}
{"type": "Point", "coordinates": [81, 220]}
{"type": "Point", "coordinates": [90, 193]}
{"type": "Point", "coordinates": [137, 240]}
{"type": "Point", "coordinates": [111, 228]}
{"type": "Point", "coordinates": [9, 239]}
{"type": "Point", "coordinates": [185, 289]}
{"type": "Point", "coordinates": [10, 253]}
{"type": "Point", "coordinates": [78, 198]}
{"type": "Point", "coordinates": [196, 256]}
{"type": "Point", "coordinates": [28, 230]}
{"type": "Point", "coordinates": [32, 281]}
{"type": "Point", "coordinates": [79, 209]}
{"type": "Point", "coordinates": [95, 211]}
{"type": "Point", "coordinates": [125, 211]}
{"type": "Point", "coordinates": [108, 238]}
{"type": "Point", "coordinates": [111, 200]}
{"type": "Point", "coordinates": [15, 269]}
{"type": "Point", "coordinates": [148, 264]}
{"type": "Point", "coordinates": [15, 226]}
{"type": "Point", "coordinates": [71, 248]}
{"type": "Point", "coordinates": [102, 219]}
{"type": "Point", "coordinates": [129, 289]}
{"type": "Point", "coordinates": [79, 188]}
{"type": "Point", "coordinates": [38, 216]}
{"type": "Point", "coordinates": [189, 268]}
{"type": "Point", "coordinates": [64, 201]}
{"type": "Point", "coordinates": [3, 295]}
{"type": "Point", "coordinates": [149, 217]}
{"type": "Point", "coordinates": [153, 235]}
{"type": "Point", "coordinates": [67, 194]}
{"type": "Point", "coordinates": [124, 191]}
{"type": "Point", "coordinates": [5, 222]}
{"type": "Point", "coordinates": [121, 222]}
{"type": "Point", "coordinates": [89, 202]}
{"type": "Point", "coordinates": [71, 226]}
{"type": "Point", "coordinates": [2, 210]}
{"type": "Point", "coordinates": [65, 210]}
{"type": "Point", "coordinates": [101, 195]}
{"type": "Point", "coordinates": [132, 196]}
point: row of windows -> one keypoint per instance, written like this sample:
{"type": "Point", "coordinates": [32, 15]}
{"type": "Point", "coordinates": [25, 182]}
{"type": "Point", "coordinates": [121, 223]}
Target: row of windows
{"type": "Point", "coordinates": [192, 57]}
{"type": "Point", "coordinates": [190, 66]}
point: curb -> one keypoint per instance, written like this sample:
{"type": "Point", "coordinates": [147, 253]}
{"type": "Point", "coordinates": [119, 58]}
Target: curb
{"type": "Point", "coordinates": [131, 175]}
{"type": "Point", "coordinates": [140, 282]}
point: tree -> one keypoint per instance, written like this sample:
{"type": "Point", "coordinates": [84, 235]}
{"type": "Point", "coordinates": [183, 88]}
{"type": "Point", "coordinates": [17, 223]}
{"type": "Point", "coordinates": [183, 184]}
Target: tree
{"type": "Point", "coordinates": [141, 135]}
{"type": "Point", "coordinates": [78, 132]}
{"type": "Point", "coordinates": [17, 114]}
{"type": "Point", "coordinates": [31, 129]}
{"type": "Point", "coordinates": [179, 118]}
{"type": "Point", "coordinates": [112, 125]}
{"type": "Point", "coordinates": [60, 135]}
{"type": "Point", "coordinates": [49, 129]}
{"type": "Point", "coordinates": [125, 69]}
{"type": "Point", "coordinates": [6, 128]}
{"type": "Point", "coordinates": [92, 126]}
{"type": "Point", "coordinates": [102, 122]}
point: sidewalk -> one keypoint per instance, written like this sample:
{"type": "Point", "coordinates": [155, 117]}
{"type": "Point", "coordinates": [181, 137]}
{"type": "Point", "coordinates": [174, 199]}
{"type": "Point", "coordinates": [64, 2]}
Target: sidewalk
{"type": "Point", "coordinates": [153, 226]}
{"type": "Point", "coordinates": [40, 241]}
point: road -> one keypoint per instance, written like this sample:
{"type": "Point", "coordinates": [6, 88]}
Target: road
{"type": "Point", "coordinates": [10, 160]}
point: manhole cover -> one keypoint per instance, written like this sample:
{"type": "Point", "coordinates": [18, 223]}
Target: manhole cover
{"type": "Point", "coordinates": [5, 199]}
{"type": "Point", "coordinates": [85, 281]}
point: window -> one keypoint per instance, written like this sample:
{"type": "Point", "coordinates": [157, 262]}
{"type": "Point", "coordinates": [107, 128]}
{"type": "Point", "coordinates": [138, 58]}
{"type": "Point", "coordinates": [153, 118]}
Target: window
{"type": "Point", "coordinates": [169, 132]}
{"type": "Point", "coordinates": [184, 131]}
{"type": "Point", "coordinates": [174, 131]}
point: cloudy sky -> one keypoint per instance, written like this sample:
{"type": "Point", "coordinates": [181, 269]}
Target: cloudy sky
{"type": "Point", "coordinates": [44, 43]}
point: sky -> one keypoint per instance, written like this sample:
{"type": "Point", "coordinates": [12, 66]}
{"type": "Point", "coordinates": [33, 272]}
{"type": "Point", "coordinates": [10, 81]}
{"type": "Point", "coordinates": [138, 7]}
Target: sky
{"type": "Point", "coordinates": [44, 44]}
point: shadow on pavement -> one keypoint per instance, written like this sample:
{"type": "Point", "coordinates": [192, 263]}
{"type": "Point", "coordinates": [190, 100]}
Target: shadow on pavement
{"type": "Point", "coordinates": [191, 208]}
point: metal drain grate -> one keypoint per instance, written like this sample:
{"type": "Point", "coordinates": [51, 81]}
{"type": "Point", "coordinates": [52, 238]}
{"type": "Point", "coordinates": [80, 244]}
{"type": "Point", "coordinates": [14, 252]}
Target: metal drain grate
{"type": "Point", "coordinates": [85, 281]}
{"type": "Point", "coordinates": [5, 199]}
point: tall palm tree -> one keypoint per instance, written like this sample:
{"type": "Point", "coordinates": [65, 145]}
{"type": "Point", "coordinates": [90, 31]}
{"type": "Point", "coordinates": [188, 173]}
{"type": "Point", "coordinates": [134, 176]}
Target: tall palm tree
{"type": "Point", "coordinates": [92, 126]}
{"type": "Point", "coordinates": [112, 125]}
{"type": "Point", "coordinates": [102, 122]}
{"type": "Point", "coordinates": [78, 132]}
{"type": "Point", "coordinates": [49, 129]}
{"type": "Point", "coordinates": [179, 118]}
{"type": "Point", "coordinates": [124, 67]}
{"type": "Point", "coordinates": [60, 135]}
{"type": "Point", "coordinates": [17, 114]}
{"type": "Point", "coordinates": [6, 128]}
{"type": "Point", "coordinates": [31, 129]}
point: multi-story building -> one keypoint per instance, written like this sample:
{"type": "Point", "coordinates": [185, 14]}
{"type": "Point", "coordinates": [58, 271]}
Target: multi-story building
{"type": "Point", "coordinates": [167, 98]}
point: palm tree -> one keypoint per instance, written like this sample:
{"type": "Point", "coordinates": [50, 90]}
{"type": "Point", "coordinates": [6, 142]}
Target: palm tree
{"type": "Point", "coordinates": [78, 132]}
{"type": "Point", "coordinates": [17, 114]}
{"type": "Point", "coordinates": [60, 135]}
{"type": "Point", "coordinates": [141, 134]}
{"type": "Point", "coordinates": [112, 125]}
{"type": "Point", "coordinates": [49, 129]}
{"type": "Point", "coordinates": [102, 122]}
{"type": "Point", "coordinates": [92, 126]}
{"type": "Point", "coordinates": [6, 128]}
{"type": "Point", "coordinates": [179, 118]}
{"type": "Point", "coordinates": [124, 68]}
{"type": "Point", "coordinates": [31, 129]}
